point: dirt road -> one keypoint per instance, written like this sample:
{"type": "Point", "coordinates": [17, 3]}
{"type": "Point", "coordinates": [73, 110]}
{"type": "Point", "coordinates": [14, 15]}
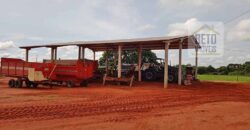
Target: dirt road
{"type": "Point", "coordinates": [204, 105]}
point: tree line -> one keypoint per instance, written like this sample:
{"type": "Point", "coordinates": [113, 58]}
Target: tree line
{"type": "Point", "coordinates": [230, 69]}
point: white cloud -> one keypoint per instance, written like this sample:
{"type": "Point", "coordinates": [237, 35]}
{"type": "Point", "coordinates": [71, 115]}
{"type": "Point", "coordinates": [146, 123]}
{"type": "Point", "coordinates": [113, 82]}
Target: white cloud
{"type": "Point", "coordinates": [6, 55]}
{"type": "Point", "coordinates": [14, 36]}
{"type": "Point", "coordinates": [6, 45]}
{"type": "Point", "coordinates": [189, 2]}
{"type": "Point", "coordinates": [184, 28]}
{"type": "Point", "coordinates": [34, 38]}
{"type": "Point", "coordinates": [111, 19]}
{"type": "Point", "coordinates": [67, 49]}
{"type": "Point", "coordinates": [98, 55]}
{"type": "Point", "coordinates": [159, 53]}
{"type": "Point", "coordinates": [230, 58]}
{"type": "Point", "coordinates": [71, 52]}
{"type": "Point", "coordinates": [200, 3]}
{"type": "Point", "coordinates": [67, 52]}
{"type": "Point", "coordinates": [21, 54]}
{"type": "Point", "coordinates": [240, 32]}
{"type": "Point", "coordinates": [145, 27]}
{"type": "Point", "coordinates": [89, 54]}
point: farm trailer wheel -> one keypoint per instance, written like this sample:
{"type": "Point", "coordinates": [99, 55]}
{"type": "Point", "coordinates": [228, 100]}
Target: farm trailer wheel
{"type": "Point", "coordinates": [19, 83]}
{"type": "Point", "coordinates": [70, 84]}
{"type": "Point", "coordinates": [84, 83]}
{"type": "Point", "coordinates": [11, 83]}
{"type": "Point", "coordinates": [31, 84]}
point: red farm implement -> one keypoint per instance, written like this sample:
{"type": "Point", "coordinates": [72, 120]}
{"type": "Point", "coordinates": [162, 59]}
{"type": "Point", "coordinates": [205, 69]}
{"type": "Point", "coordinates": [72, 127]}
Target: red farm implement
{"type": "Point", "coordinates": [57, 72]}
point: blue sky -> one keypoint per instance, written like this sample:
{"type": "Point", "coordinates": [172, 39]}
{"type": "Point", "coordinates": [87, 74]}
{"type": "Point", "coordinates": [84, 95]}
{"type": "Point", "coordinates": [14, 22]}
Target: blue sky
{"type": "Point", "coordinates": [26, 22]}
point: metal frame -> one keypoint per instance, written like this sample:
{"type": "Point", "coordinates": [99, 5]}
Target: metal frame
{"type": "Point", "coordinates": [156, 43]}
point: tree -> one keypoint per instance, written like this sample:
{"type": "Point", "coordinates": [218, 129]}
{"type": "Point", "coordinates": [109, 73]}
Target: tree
{"type": "Point", "coordinates": [222, 70]}
{"type": "Point", "coordinates": [202, 70]}
{"type": "Point", "coordinates": [247, 69]}
{"type": "Point", "coordinates": [103, 57]}
{"type": "Point", "coordinates": [233, 67]}
{"type": "Point", "coordinates": [211, 69]}
{"type": "Point", "coordinates": [129, 57]}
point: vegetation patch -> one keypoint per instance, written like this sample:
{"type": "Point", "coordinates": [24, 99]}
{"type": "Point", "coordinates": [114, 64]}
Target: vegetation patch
{"type": "Point", "coordinates": [229, 78]}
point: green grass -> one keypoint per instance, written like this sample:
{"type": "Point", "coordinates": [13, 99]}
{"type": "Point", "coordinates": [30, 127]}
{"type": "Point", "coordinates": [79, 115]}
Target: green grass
{"type": "Point", "coordinates": [228, 78]}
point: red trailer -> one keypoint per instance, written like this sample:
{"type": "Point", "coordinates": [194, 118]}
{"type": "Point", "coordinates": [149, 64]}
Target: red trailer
{"type": "Point", "coordinates": [56, 72]}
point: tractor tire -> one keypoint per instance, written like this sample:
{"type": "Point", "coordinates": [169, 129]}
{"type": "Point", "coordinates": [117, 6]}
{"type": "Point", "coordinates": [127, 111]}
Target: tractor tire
{"type": "Point", "coordinates": [19, 83]}
{"type": "Point", "coordinates": [70, 84]}
{"type": "Point", "coordinates": [84, 83]}
{"type": "Point", "coordinates": [34, 85]}
{"type": "Point", "coordinates": [171, 78]}
{"type": "Point", "coordinates": [28, 83]}
{"type": "Point", "coordinates": [149, 75]}
{"type": "Point", "coordinates": [12, 83]}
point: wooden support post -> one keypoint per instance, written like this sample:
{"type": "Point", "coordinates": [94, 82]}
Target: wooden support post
{"type": "Point", "coordinates": [27, 55]}
{"type": "Point", "coordinates": [106, 61]}
{"type": "Point", "coordinates": [52, 54]}
{"type": "Point", "coordinates": [83, 53]}
{"type": "Point", "coordinates": [180, 67]}
{"type": "Point", "coordinates": [114, 52]}
{"type": "Point", "coordinates": [115, 57]}
{"type": "Point", "coordinates": [79, 52]}
{"type": "Point", "coordinates": [119, 61]}
{"type": "Point", "coordinates": [166, 65]}
{"type": "Point", "coordinates": [139, 62]}
{"type": "Point", "coordinates": [93, 55]}
{"type": "Point", "coordinates": [55, 51]}
{"type": "Point", "coordinates": [196, 63]}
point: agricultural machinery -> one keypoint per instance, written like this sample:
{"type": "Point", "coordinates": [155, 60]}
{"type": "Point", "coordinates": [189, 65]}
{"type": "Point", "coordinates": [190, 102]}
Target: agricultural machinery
{"type": "Point", "coordinates": [58, 72]}
{"type": "Point", "coordinates": [152, 72]}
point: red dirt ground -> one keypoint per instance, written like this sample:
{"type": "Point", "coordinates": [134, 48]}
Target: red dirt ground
{"type": "Point", "coordinates": [204, 105]}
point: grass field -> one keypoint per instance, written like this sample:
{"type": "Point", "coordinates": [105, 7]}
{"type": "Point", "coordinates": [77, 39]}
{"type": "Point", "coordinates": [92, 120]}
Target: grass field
{"type": "Point", "coordinates": [230, 78]}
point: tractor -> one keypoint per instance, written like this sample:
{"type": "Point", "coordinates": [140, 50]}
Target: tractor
{"type": "Point", "coordinates": [152, 72]}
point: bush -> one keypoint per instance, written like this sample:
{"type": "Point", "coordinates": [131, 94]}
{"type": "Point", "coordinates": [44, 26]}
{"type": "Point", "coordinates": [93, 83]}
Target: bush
{"type": "Point", "coordinates": [202, 70]}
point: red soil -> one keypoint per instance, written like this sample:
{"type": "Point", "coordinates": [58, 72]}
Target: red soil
{"type": "Point", "coordinates": [204, 105]}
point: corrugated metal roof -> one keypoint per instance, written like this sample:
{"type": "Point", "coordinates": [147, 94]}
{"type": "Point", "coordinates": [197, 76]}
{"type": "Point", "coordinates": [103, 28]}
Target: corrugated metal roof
{"type": "Point", "coordinates": [146, 43]}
